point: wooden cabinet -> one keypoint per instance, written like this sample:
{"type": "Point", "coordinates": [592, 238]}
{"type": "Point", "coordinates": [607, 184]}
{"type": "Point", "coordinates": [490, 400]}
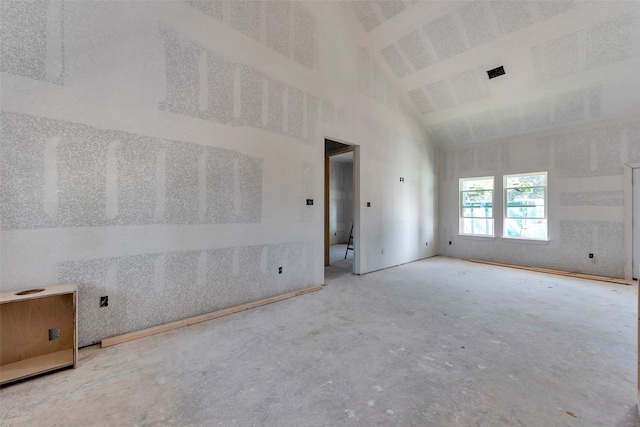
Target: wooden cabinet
{"type": "Point", "coordinates": [38, 331]}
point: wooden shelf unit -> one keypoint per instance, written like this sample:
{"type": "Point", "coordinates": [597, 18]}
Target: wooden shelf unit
{"type": "Point", "coordinates": [25, 320]}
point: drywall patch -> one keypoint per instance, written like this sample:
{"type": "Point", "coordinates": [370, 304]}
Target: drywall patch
{"type": "Point", "coordinates": [313, 112]}
{"type": "Point", "coordinates": [395, 61]}
{"type": "Point", "coordinates": [82, 156]}
{"type": "Point", "coordinates": [511, 16]}
{"type": "Point", "coordinates": [211, 8]}
{"type": "Point", "coordinates": [487, 158]}
{"type": "Point", "coordinates": [440, 94]}
{"type": "Point", "coordinates": [476, 23]}
{"type": "Point", "coordinates": [557, 58]}
{"type": "Point", "coordinates": [542, 154]}
{"type": "Point", "coordinates": [136, 303]}
{"type": "Point", "coordinates": [536, 114]}
{"type": "Point", "coordinates": [181, 283]}
{"type": "Point", "coordinates": [608, 142]}
{"type": "Point", "coordinates": [295, 113]}
{"type": "Point", "coordinates": [275, 119]}
{"type": "Point", "coordinates": [459, 130]}
{"type": "Point", "coordinates": [470, 86]}
{"type": "Point", "coordinates": [465, 161]}
{"type": "Point", "coordinates": [483, 125]}
{"type": "Point", "coordinates": [572, 155]}
{"type": "Point", "coordinates": [157, 180]}
{"type": "Point", "coordinates": [221, 91]}
{"type": "Point", "coordinates": [182, 76]}
{"type": "Point", "coordinates": [363, 10]}
{"type": "Point", "coordinates": [182, 180]}
{"type": "Point", "coordinates": [244, 16]}
{"type": "Point", "coordinates": [420, 101]}
{"type": "Point", "coordinates": [304, 36]}
{"type": "Point", "coordinates": [390, 8]}
{"type": "Point", "coordinates": [278, 26]}
{"type": "Point", "coordinates": [445, 37]}
{"type": "Point", "coordinates": [251, 93]}
{"type": "Point", "coordinates": [136, 168]}
{"type": "Point", "coordinates": [440, 133]}
{"type": "Point", "coordinates": [415, 49]}
{"type": "Point", "coordinates": [633, 142]}
{"type": "Point", "coordinates": [609, 42]}
{"type": "Point", "coordinates": [328, 113]}
{"type": "Point", "coordinates": [508, 120]}
{"type": "Point", "coordinates": [250, 177]}
{"type": "Point", "coordinates": [593, 198]}
{"type": "Point", "coordinates": [569, 107]}
{"type": "Point", "coordinates": [23, 144]}
{"type": "Point", "coordinates": [94, 322]}
{"type": "Point", "coordinates": [25, 28]}
{"type": "Point", "coordinates": [593, 100]}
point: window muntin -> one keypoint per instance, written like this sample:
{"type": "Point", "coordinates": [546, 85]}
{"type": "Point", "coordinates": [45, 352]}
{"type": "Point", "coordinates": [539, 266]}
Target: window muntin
{"type": "Point", "coordinates": [525, 210]}
{"type": "Point", "coordinates": [476, 206]}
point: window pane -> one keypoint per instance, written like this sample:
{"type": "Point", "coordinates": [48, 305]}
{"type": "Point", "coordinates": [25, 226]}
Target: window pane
{"type": "Point", "coordinates": [477, 212]}
{"type": "Point", "coordinates": [525, 197]}
{"type": "Point", "coordinates": [477, 198]}
{"type": "Point", "coordinates": [477, 226]}
{"type": "Point", "coordinates": [526, 212]}
{"type": "Point", "coordinates": [526, 228]}
{"type": "Point", "coordinates": [526, 181]}
{"type": "Point", "coordinates": [477, 184]}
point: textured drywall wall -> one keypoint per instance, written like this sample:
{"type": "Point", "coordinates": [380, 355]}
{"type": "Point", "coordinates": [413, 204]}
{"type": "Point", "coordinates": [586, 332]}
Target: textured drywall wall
{"type": "Point", "coordinates": [340, 201]}
{"type": "Point", "coordinates": [161, 153]}
{"type": "Point", "coordinates": [585, 196]}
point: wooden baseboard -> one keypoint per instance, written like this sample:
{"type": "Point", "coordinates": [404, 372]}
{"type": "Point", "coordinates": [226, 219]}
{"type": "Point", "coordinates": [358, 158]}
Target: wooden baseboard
{"type": "Point", "coordinates": [559, 272]}
{"type": "Point", "coordinates": [107, 342]}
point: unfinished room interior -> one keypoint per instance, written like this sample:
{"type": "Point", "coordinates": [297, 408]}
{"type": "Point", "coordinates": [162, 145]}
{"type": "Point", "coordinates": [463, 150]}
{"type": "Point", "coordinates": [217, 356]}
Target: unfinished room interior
{"type": "Point", "coordinates": [319, 213]}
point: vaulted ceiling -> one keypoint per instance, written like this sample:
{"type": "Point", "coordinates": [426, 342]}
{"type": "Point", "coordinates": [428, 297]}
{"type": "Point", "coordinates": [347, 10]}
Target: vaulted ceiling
{"type": "Point", "coordinates": [566, 62]}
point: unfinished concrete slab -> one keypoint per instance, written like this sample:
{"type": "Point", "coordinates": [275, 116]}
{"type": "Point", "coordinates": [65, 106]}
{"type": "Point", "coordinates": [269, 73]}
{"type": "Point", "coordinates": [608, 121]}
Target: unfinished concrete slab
{"type": "Point", "coordinates": [438, 342]}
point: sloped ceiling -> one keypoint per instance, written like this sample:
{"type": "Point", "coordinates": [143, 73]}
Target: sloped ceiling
{"type": "Point", "coordinates": [566, 62]}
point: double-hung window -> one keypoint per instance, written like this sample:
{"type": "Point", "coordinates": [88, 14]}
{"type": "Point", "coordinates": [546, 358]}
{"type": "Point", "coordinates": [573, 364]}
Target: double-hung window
{"type": "Point", "coordinates": [476, 206]}
{"type": "Point", "coordinates": [525, 210]}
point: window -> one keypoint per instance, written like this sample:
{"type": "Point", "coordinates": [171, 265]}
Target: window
{"type": "Point", "coordinates": [476, 206]}
{"type": "Point", "coordinates": [525, 211]}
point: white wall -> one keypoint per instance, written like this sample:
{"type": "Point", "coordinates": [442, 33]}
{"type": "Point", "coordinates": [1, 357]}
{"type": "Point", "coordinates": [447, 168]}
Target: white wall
{"type": "Point", "coordinates": [585, 196]}
{"type": "Point", "coordinates": [340, 201]}
{"type": "Point", "coordinates": [161, 153]}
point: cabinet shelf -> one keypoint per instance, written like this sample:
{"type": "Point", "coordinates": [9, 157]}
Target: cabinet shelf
{"type": "Point", "coordinates": [39, 331]}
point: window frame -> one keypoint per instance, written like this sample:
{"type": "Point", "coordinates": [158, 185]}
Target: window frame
{"type": "Point", "coordinates": [462, 217]}
{"type": "Point", "coordinates": [505, 206]}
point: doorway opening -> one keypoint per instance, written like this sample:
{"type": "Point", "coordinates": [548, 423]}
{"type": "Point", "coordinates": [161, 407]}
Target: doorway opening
{"type": "Point", "coordinates": [341, 228]}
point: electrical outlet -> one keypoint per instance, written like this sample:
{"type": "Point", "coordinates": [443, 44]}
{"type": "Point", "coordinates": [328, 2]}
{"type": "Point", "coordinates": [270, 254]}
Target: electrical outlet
{"type": "Point", "coordinates": [279, 270]}
{"type": "Point", "coordinates": [54, 334]}
{"type": "Point", "coordinates": [309, 202]}
{"type": "Point", "coordinates": [590, 255]}
{"type": "Point", "coordinates": [401, 179]}
{"type": "Point", "coordinates": [368, 204]}
{"type": "Point", "coordinates": [104, 301]}
{"type": "Point", "coordinates": [449, 241]}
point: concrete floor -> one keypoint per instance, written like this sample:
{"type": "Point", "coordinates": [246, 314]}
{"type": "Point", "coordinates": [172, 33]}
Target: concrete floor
{"type": "Point", "coordinates": [439, 342]}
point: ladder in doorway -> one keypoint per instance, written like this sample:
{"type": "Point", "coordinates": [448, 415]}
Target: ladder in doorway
{"type": "Point", "coordinates": [349, 243]}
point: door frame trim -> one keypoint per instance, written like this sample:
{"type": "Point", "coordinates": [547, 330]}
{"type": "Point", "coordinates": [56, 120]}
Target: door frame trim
{"type": "Point", "coordinates": [356, 200]}
{"type": "Point", "coordinates": [628, 219]}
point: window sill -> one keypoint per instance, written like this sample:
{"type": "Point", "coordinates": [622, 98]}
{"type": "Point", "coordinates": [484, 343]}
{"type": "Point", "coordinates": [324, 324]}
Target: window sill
{"type": "Point", "coordinates": [531, 241]}
{"type": "Point", "coordinates": [476, 237]}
